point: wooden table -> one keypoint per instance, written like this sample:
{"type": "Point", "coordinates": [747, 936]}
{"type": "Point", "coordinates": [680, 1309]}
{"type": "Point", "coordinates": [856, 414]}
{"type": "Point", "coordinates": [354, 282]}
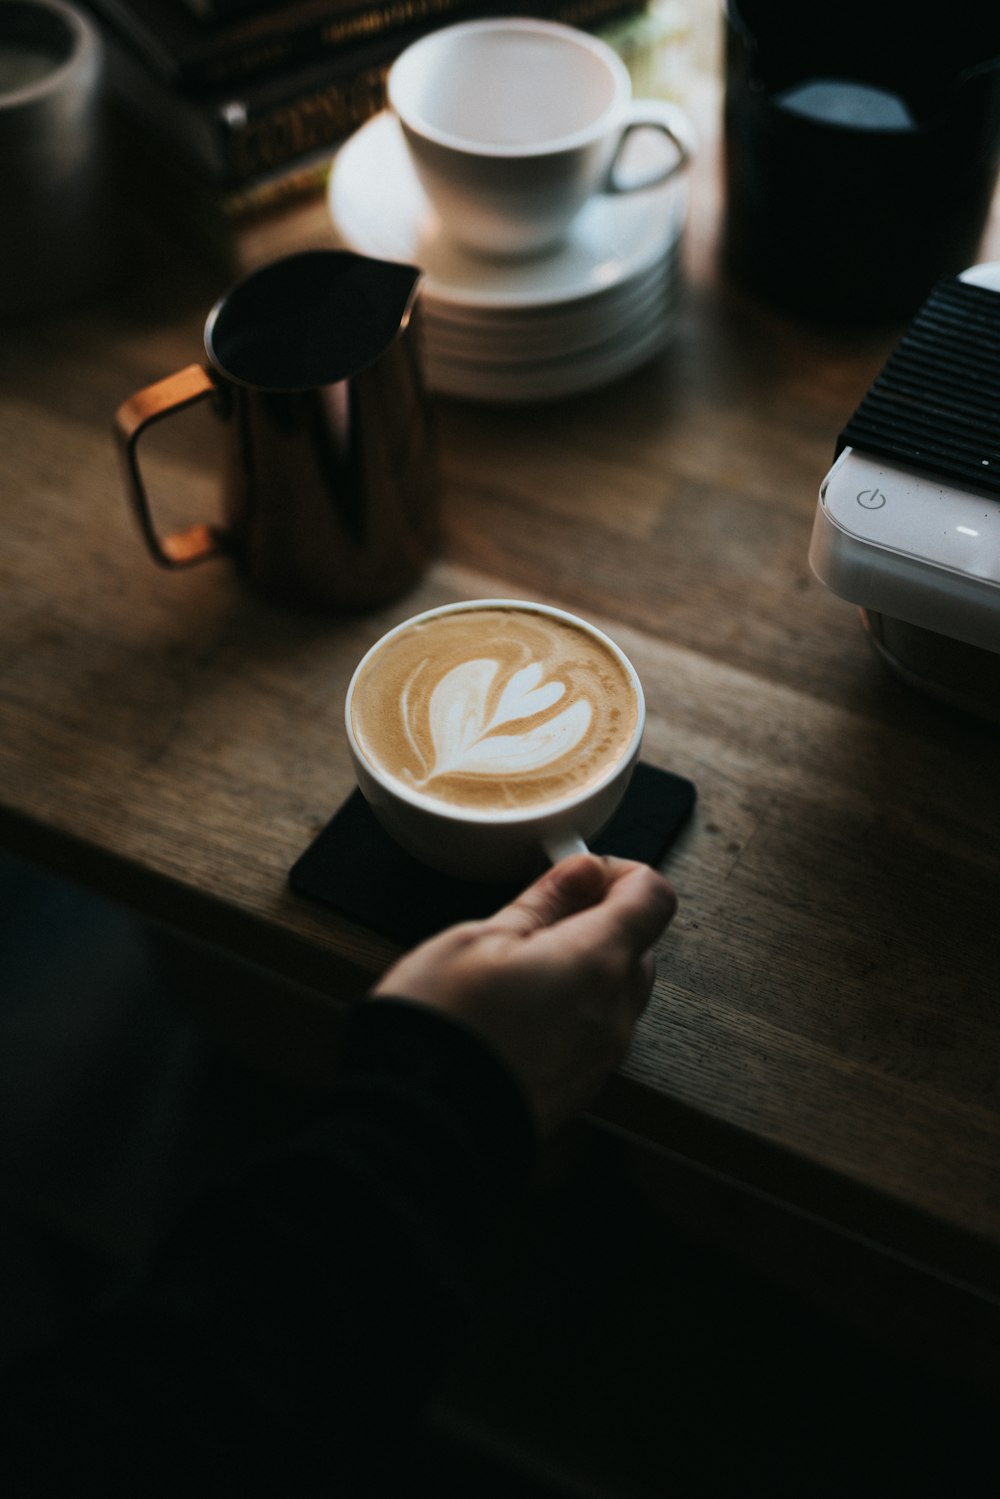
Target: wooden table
{"type": "Point", "coordinates": [817, 1077]}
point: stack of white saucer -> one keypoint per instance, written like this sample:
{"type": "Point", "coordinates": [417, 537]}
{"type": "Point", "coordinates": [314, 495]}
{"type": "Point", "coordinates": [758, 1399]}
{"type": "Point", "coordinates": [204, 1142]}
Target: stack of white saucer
{"type": "Point", "coordinates": [570, 320]}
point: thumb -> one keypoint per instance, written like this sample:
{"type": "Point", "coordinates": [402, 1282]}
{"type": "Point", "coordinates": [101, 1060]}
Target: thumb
{"type": "Point", "coordinates": [570, 886]}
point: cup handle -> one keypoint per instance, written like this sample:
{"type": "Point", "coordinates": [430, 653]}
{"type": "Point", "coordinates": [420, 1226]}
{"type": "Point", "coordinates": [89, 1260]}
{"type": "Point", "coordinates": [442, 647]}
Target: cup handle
{"type": "Point", "coordinates": [653, 114]}
{"type": "Point", "coordinates": [195, 383]}
{"type": "Point", "coordinates": [564, 846]}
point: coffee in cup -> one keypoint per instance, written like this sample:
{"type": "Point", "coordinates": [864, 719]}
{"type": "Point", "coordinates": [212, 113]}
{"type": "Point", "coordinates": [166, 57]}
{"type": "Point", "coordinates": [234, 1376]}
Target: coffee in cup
{"type": "Point", "coordinates": [490, 735]}
{"type": "Point", "coordinates": [512, 124]}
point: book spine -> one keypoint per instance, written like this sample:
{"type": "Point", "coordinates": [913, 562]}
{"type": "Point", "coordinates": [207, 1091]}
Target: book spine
{"type": "Point", "coordinates": [274, 192]}
{"type": "Point", "coordinates": [330, 29]}
{"type": "Point", "coordinates": [257, 142]}
{"type": "Point", "coordinates": [395, 15]}
{"type": "Point", "coordinates": [310, 39]}
{"type": "Point", "coordinates": [216, 11]}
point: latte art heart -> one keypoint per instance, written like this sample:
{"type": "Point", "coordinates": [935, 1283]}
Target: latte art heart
{"type": "Point", "coordinates": [494, 708]}
{"type": "Point", "coordinates": [519, 735]}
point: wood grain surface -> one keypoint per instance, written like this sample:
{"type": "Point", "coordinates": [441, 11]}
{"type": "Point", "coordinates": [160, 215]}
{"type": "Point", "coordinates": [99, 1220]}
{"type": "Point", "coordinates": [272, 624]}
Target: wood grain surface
{"type": "Point", "coordinates": [825, 1023]}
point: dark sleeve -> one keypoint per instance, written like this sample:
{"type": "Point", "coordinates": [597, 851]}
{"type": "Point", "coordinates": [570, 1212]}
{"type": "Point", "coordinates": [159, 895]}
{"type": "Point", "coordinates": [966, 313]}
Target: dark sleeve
{"type": "Point", "coordinates": [303, 1314]}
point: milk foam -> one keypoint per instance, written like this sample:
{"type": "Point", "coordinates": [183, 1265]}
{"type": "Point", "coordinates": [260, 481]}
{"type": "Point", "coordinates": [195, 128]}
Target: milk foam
{"type": "Point", "coordinates": [465, 732]}
{"type": "Point", "coordinates": [495, 707]}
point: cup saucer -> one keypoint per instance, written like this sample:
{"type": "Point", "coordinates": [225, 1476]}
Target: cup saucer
{"type": "Point", "coordinates": [378, 208]}
{"type": "Point", "coordinates": [554, 330]}
{"type": "Point", "coordinates": [558, 375]}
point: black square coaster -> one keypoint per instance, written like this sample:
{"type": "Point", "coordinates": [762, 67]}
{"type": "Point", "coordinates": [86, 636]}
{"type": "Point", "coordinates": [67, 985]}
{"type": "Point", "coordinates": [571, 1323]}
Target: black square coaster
{"type": "Point", "coordinates": [356, 867]}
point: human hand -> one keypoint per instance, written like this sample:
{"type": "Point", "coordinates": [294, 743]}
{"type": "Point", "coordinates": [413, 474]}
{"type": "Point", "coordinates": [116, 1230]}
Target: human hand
{"type": "Point", "coordinates": [554, 982]}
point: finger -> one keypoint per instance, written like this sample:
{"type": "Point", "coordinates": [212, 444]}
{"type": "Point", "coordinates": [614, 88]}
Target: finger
{"type": "Point", "coordinates": [571, 886]}
{"type": "Point", "coordinates": [645, 978]}
{"type": "Point", "coordinates": [637, 908]}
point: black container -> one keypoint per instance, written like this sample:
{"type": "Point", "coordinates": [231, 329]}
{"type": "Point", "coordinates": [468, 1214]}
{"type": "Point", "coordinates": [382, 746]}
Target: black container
{"type": "Point", "coordinates": [57, 229]}
{"type": "Point", "coordinates": [862, 147]}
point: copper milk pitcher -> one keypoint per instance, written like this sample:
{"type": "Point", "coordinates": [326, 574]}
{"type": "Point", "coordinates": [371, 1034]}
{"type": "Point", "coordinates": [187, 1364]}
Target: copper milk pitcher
{"type": "Point", "coordinates": [329, 472]}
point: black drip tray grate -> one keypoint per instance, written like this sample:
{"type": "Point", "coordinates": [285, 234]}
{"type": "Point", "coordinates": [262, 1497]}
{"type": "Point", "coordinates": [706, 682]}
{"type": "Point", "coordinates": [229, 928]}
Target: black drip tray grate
{"type": "Point", "coordinates": [935, 406]}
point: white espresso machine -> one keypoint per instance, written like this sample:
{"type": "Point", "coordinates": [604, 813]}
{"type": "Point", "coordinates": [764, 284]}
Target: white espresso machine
{"type": "Point", "coordinates": [908, 521]}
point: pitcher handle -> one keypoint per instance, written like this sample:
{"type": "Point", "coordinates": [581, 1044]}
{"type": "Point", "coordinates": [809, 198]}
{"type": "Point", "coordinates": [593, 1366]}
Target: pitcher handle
{"type": "Point", "coordinates": [195, 543]}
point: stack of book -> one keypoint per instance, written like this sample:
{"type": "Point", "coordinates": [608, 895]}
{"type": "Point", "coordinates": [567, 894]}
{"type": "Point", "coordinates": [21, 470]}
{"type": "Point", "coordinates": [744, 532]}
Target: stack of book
{"type": "Point", "coordinates": [253, 97]}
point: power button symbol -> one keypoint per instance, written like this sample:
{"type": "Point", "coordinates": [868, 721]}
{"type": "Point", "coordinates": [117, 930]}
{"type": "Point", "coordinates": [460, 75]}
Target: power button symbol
{"type": "Point", "coordinates": [871, 499]}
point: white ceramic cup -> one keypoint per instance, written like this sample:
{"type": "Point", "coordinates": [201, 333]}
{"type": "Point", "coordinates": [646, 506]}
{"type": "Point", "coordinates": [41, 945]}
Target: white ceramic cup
{"type": "Point", "coordinates": [499, 843]}
{"type": "Point", "coordinates": [513, 124]}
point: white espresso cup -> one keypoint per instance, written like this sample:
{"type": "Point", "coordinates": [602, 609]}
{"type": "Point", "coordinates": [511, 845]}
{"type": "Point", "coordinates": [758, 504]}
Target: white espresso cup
{"type": "Point", "coordinates": [513, 124]}
{"type": "Point", "coordinates": [492, 736]}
